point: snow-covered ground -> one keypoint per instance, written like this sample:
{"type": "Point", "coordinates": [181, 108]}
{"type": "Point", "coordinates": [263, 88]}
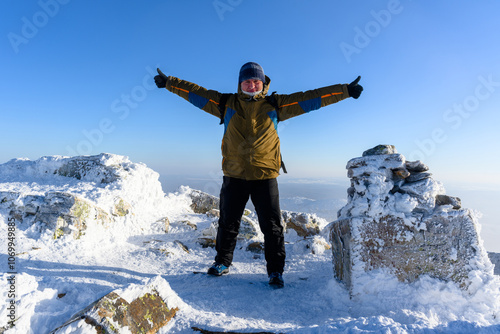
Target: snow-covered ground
{"type": "Point", "coordinates": [57, 278]}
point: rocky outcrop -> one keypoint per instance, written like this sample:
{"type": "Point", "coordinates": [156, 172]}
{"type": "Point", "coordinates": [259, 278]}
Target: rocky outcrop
{"type": "Point", "coordinates": [66, 195]}
{"type": "Point", "coordinates": [306, 225]}
{"type": "Point", "coordinates": [399, 219]}
{"type": "Point", "coordinates": [135, 309]}
{"type": "Point", "coordinates": [62, 213]}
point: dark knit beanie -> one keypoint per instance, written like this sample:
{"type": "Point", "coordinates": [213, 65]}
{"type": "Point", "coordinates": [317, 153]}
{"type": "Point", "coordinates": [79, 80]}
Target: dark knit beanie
{"type": "Point", "coordinates": [251, 71]}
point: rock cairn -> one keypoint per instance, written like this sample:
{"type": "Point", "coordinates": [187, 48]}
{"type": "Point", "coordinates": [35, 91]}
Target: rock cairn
{"type": "Point", "coordinates": [398, 219]}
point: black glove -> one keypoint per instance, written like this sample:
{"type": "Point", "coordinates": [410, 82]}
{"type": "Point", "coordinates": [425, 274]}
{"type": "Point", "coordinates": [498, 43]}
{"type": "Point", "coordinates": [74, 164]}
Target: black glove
{"type": "Point", "coordinates": [354, 89]}
{"type": "Point", "coordinates": [161, 79]}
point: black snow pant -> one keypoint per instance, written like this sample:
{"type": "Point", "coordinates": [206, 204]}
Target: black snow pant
{"type": "Point", "coordinates": [265, 198]}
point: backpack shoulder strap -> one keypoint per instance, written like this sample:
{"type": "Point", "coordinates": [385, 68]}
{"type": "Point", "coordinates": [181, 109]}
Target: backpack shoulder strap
{"type": "Point", "coordinates": [222, 106]}
{"type": "Point", "coordinates": [273, 101]}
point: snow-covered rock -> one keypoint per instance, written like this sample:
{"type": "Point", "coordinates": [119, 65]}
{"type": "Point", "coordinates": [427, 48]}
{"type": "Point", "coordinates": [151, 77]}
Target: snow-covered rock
{"type": "Point", "coordinates": [399, 220]}
{"type": "Point", "coordinates": [135, 309]}
{"type": "Point", "coordinates": [495, 259]}
{"type": "Point", "coordinates": [249, 230]}
{"type": "Point", "coordinates": [305, 224]}
{"type": "Point", "coordinates": [202, 202]}
{"type": "Point", "coordinates": [67, 195]}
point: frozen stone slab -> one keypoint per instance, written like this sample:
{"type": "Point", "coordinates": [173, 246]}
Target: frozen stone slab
{"type": "Point", "coordinates": [416, 166]}
{"type": "Point", "coordinates": [381, 150]}
{"type": "Point", "coordinates": [415, 177]}
{"type": "Point", "coordinates": [455, 202]}
{"type": "Point", "coordinates": [443, 246]}
{"type": "Point", "coordinates": [375, 162]}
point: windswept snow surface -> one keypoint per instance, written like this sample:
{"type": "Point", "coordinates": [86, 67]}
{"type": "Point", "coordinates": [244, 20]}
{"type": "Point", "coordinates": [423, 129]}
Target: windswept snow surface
{"type": "Point", "coordinates": [57, 278]}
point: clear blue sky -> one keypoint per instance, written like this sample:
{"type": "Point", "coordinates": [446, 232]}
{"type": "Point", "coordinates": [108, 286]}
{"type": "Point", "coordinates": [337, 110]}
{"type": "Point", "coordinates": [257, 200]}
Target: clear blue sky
{"type": "Point", "coordinates": [77, 78]}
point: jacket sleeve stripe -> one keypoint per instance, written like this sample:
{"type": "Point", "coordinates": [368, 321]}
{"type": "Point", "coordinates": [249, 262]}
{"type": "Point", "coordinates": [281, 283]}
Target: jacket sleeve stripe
{"type": "Point", "coordinates": [289, 104]}
{"type": "Point", "coordinates": [327, 95]}
{"type": "Point", "coordinates": [184, 90]}
{"type": "Point", "coordinates": [332, 94]}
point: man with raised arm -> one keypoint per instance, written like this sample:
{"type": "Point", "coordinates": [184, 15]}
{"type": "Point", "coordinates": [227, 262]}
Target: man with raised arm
{"type": "Point", "coordinates": [251, 154]}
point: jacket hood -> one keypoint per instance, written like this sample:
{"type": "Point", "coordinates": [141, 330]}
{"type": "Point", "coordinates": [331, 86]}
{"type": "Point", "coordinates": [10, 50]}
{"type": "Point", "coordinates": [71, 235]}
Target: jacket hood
{"type": "Point", "coordinates": [259, 96]}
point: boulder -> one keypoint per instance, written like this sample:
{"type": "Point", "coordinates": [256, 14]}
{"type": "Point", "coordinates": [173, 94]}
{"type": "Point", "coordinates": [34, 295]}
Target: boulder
{"type": "Point", "coordinates": [249, 229]}
{"type": "Point", "coordinates": [135, 309]}
{"type": "Point", "coordinates": [203, 202]}
{"type": "Point", "coordinates": [121, 208]}
{"type": "Point", "coordinates": [206, 242]}
{"type": "Point", "coordinates": [455, 202]}
{"type": "Point", "coordinates": [416, 166]}
{"type": "Point", "coordinates": [305, 224]}
{"type": "Point", "coordinates": [189, 224]}
{"type": "Point", "coordinates": [256, 247]}
{"type": "Point", "coordinates": [404, 225]}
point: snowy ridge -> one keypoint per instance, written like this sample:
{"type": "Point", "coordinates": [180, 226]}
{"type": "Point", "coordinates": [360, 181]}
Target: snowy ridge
{"type": "Point", "coordinates": [57, 278]}
{"type": "Point", "coordinates": [97, 178]}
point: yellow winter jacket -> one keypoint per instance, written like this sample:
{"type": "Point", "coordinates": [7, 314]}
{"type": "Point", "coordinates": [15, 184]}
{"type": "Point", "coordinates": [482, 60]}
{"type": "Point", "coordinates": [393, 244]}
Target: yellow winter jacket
{"type": "Point", "coordinates": [250, 145]}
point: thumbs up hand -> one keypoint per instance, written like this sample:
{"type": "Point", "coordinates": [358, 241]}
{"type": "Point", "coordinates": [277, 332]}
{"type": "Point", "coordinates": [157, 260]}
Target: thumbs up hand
{"type": "Point", "coordinates": [354, 88]}
{"type": "Point", "coordinates": [161, 79]}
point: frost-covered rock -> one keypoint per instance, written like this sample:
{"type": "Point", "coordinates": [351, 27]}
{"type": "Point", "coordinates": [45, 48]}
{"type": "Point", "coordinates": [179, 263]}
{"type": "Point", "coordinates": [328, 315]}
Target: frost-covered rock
{"type": "Point", "coordinates": [135, 309]}
{"type": "Point", "coordinates": [249, 230]}
{"type": "Point", "coordinates": [381, 149]}
{"type": "Point", "coordinates": [495, 259]}
{"type": "Point", "coordinates": [398, 219]}
{"type": "Point", "coordinates": [66, 195]}
{"type": "Point", "coordinates": [62, 213]}
{"type": "Point", "coordinates": [202, 202]}
{"type": "Point", "coordinates": [305, 224]}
